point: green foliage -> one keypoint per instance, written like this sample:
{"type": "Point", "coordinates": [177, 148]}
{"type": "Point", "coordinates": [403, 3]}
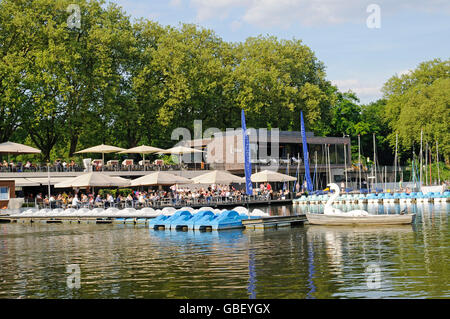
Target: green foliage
{"type": "Point", "coordinates": [127, 83]}
{"type": "Point", "coordinates": [168, 159]}
{"type": "Point", "coordinates": [115, 192]}
{"type": "Point", "coordinates": [418, 101]}
{"type": "Point", "coordinates": [124, 83]}
{"type": "Point", "coordinates": [124, 191]}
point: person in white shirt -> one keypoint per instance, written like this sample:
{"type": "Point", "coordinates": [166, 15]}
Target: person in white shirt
{"type": "Point", "coordinates": [75, 201]}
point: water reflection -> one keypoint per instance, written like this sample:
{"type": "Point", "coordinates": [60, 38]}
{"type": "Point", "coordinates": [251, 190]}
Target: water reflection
{"type": "Point", "coordinates": [375, 209]}
{"type": "Point", "coordinates": [125, 261]}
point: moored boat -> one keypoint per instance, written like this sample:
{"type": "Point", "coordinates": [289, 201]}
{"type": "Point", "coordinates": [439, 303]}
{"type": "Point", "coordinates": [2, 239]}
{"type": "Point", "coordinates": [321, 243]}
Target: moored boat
{"type": "Point", "coordinates": [341, 219]}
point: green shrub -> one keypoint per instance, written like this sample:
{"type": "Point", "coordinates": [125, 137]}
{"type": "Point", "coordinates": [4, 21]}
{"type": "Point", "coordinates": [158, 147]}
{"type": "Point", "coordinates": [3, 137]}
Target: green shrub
{"type": "Point", "coordinates": [125, 191]}
{"type": "Point", "coordinates": [104, 192]}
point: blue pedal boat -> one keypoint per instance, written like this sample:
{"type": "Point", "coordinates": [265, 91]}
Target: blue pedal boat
{"type": "Point", "coordinates": [229, 219]}
{"type": "Point", "coordinates": [198, 218]}
{"type": "Point", "coordinates": [180, 215]}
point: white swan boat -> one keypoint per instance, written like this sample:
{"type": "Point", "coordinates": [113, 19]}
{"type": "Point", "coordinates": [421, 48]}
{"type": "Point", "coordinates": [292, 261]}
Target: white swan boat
{"type": "Point", "coordinates": [334, 216]}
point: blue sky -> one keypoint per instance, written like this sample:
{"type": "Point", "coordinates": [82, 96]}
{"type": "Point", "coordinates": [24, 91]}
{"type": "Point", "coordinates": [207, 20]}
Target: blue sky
{"type": "Point", "coordinates": [356, 57]}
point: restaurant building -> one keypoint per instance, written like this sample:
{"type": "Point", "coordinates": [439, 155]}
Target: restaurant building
{"type": "Point", "coordinates": [276, 150]}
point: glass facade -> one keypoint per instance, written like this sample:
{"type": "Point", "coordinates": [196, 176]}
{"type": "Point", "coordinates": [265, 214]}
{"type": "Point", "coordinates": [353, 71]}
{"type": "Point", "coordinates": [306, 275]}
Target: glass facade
{"type": "Point", "coordinates": [336, 152]}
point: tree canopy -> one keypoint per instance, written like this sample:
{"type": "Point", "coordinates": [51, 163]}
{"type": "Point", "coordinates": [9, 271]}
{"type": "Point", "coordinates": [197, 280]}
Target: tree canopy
{"type": "Point", "coordinates": [420, 101]}
{"type": "Point", "coordinates": [124, 82]}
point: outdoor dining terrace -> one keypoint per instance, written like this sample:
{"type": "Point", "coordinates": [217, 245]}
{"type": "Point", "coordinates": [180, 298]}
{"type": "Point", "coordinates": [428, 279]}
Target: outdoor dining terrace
{"type": "Point", "coordinates": [111, 166]}
{"type": "Point", "coordinates": [214, 201]}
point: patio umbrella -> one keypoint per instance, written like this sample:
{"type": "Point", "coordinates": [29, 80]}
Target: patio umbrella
{"type": "Point", "coordinates": [218, 177]}
{"type": "Point", "coordinates": [15, 148]}
{"type": "Point", "coordinates": [94, 179]}
{"type": "Point", "coordinates": [143, 149]}
{"type": "Point", "coordinates": [103, 149]}
{"type": "Point", "coordinates": [180, 150]}
{"type": "Point", "coordinates": [271, 176]}
{"type": "Point", "coordinates": [160, 178]}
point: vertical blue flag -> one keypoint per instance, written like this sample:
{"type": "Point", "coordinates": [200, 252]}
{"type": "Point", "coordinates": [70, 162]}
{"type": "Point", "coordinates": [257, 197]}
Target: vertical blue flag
{"type": "Point", "coordinates": [309, 186]}
{"type": "Point", "coordinates": [248, 163]}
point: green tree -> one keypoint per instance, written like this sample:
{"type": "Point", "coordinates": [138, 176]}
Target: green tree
{"type": "Point", "coordinates": [418, 101]}
{"type": "Point", "coordinates": [276, 79]}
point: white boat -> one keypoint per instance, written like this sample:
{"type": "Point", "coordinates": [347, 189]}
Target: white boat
{"type": "Point", "coordinates": [334, 216]}
{"type": "Point", "coordinates": [322, 219]}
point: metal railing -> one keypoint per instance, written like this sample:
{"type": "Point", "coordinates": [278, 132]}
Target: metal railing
{"type": "Point", "coordinates": [213, 201]}
{"type": "Point", "coordinates": [42, 168]}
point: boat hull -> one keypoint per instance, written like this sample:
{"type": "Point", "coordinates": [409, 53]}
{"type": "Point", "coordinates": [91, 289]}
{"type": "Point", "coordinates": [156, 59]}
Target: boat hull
{"type": "Point", "coordinates": [322, 219]}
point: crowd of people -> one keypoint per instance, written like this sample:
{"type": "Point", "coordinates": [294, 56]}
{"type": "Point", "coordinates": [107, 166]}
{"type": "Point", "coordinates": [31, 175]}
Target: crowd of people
{"type": "Point", "coordinates": [96, 165]}
{"type": "Point", "coordinates": [172, 195]}
{"type": "Point", "coordinates": [58, 165]}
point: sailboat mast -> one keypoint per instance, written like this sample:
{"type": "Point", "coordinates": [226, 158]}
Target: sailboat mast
{"type": "Point", "coordinates": [359, 159]}
{"type": "Point", "coordinates": [437, 162]}
{"type": "Point", "coordinates": [315, 169]}
{"type": "Point", "coordinates": [375, 160]}
{"type": "Point", "coordinates": [329, 163]}
{"type": "Point", "coordinates": [420, 161]}
{"type": "Point", "coordinates": [426, 163]}
{"type": "Point", "coordinates": [345, 160]}
{"type": "Point", "coordinates": [395, 160]}
{"type": "Point", "coordinates": [429, 154]}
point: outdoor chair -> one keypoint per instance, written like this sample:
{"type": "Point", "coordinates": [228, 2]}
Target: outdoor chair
{"type": "Point", "coordinates": [97, 163]}
{"type": "Point", "coordinates": [87, 164]}
{"type": "Point", "coordinates": [128, 163]}
{"type": "Point", "coordinates": [144, 163]}
{"type": "Point", "coordinates": [112, 164]}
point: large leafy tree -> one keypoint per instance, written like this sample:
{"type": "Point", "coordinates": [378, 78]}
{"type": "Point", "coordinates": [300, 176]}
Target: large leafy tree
{"type": "Point", "coordinates": [18, 38]}
{"type": "Point", "coordinates": [68, 78]}
{"type": "Point", "coordinates": [276, 79]}
{"type": "Point", "coordinates": [418, 101]}
{"type": "Point", "coordinates": [126, 83]}
{"type": "Point", "coordinates": [188, 78]}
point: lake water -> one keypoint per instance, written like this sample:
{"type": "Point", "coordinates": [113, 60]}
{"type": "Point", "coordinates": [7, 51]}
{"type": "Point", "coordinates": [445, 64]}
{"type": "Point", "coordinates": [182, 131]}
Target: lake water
{"type": "Point", "coordinates": [125, 261]}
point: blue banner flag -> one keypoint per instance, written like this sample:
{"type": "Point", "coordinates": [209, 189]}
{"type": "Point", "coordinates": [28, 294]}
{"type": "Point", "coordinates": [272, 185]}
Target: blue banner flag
{"type": "Point", "coordinates": [309, 185]}
{"type": "Point", "coordinates": [248, 163]}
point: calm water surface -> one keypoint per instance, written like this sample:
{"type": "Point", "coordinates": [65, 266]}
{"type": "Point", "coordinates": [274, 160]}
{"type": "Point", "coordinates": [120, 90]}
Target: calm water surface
{"type": "Point", "coordinates": [125, 261]}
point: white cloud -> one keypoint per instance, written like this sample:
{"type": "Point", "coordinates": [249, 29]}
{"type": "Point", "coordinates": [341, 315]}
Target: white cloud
{"type": "Point", "coordinates": [285, 13]}
{"type": "Point", "coordinates": [368, 91]}
{"type": "Point", "coordinates": [236, 25]}
{"type": "Point", "coordinates": [209, 9]}
{"type": "Point", "coordinates": [175, 3]}
{"type": "Point", "coordinates": [404, 72]}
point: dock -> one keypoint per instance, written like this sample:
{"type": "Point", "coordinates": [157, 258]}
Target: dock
{"type": "Point", "coordinates": [74, 220]}
{"type": "Point", "coordinates": [238, 223]}
{"type": "Point", "coordinates": [274, 222]}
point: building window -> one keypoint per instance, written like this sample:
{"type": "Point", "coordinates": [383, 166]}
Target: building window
{"type": "Point", "coordinates": [4, 193]}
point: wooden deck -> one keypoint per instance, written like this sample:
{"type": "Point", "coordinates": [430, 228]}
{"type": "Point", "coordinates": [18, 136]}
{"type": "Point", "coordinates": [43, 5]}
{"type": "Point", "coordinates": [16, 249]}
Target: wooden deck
{"type": "Point", "coordinates": [252, 224]}
{"type": "Point", "coordinates": [274, 222]}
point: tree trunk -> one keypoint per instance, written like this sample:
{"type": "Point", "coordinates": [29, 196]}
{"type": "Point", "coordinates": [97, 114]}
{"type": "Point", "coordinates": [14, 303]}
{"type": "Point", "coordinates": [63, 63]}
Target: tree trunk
{"type": "Point", "coordinates": [73, 144]}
